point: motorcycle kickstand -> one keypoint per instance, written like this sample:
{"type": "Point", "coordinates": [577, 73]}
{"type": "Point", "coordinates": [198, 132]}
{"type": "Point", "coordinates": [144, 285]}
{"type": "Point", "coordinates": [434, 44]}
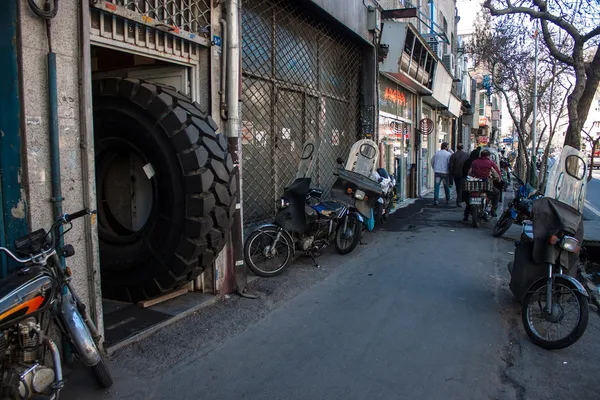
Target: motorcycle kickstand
{"type": "Point", "coordinates": [313, 259]}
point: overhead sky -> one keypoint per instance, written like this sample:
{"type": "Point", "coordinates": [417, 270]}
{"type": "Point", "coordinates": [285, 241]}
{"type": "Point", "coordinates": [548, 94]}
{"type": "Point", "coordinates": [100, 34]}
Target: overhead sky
{"type": "Point", "coordinates": [467, 10]}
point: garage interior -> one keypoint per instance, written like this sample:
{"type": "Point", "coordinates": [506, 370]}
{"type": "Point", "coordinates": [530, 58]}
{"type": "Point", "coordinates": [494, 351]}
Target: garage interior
{"type": "Point", "coordinates": [130, 198]}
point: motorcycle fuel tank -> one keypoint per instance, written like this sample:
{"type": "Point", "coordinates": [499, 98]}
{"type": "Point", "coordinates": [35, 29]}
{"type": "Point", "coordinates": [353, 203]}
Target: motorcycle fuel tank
{"type": "Point", "coordinates": [24, 293]}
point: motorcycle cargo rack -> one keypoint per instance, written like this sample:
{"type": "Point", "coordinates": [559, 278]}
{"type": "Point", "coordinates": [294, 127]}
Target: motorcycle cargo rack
{"type": "Point", "coordinates": [479, 186]}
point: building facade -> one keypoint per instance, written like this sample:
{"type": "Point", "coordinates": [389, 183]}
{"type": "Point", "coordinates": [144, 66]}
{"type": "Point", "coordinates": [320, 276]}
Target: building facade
{"type": "Point", "coordinates": [140, 91]}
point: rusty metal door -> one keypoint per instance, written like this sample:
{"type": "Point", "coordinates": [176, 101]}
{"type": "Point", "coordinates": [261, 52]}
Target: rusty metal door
{"type": "Point", "coordinates": [300, 79]}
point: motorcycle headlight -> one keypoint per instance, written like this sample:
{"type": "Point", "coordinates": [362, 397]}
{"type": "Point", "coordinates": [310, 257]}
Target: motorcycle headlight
{"type": "Point", "coordinates": [570, 244]}
{"type": "Point", "coordinates": [359, 194]}
{"type": "Point", "coordinates": [283, 203]}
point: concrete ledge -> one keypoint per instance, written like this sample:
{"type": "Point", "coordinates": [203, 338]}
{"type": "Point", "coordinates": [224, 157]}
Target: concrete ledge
{"type": "Point", "coordinates": [111, 350]}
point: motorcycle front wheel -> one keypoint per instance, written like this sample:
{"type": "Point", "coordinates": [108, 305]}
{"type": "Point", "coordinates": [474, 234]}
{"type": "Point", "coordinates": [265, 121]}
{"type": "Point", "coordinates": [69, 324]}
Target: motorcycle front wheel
{"type": "Point", "coordinates": [504, 223]}
{"type": "Point", "coordinates": [568, 305]}
{"type": "Point", "coordinates": [347, 240]}
{"type": "Point", "coordinates": [262, 257]}
{"type": "Point", "coordinates": [102, 373]}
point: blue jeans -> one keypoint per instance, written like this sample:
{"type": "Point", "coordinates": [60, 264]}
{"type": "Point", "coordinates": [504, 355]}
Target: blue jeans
{"type": "Point", "coordinates": [439, 178]}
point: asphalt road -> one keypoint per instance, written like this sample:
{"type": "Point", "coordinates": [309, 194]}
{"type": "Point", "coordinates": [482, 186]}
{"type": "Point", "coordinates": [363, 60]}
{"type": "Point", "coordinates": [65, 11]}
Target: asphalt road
{"type": "Point", "coordinates": [421, 311]}
{"type": "Point", "coordinates": [592, 209]}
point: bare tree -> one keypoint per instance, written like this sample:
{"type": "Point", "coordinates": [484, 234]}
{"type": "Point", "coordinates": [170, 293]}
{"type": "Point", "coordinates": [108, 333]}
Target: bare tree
{"type": "Point", "coordinates": [503, 49]}
{"type": "Point", "coordinates": [578, 22]}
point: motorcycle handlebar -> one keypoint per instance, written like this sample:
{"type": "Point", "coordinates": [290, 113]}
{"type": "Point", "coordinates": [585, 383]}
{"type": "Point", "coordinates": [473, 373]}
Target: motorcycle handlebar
{"type": "Point", "coordinates": [25, 260]}
{"type": "Point", "coordinates": [78, 214]}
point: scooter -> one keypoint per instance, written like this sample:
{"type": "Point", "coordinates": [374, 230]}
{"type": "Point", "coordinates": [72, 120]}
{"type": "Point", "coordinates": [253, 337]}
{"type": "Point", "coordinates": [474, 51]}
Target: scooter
{"type": "Point", "coordinates": [546, 261]}
{"type": "Point", "coordinates": [386, 202]}
{"type": "Point", "coordinates": [355, 177]}
{"type": "Point", "coordinates": [303, 223]}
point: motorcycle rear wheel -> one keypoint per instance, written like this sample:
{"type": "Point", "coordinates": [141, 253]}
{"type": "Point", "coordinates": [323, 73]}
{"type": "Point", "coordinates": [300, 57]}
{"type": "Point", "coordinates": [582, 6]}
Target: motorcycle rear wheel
{"type": "Point", "coordinates": [355, 226]}
{"type": "Point", "coordinates": [268, 233]}
{"type": "Point", "coordinates": [533, 295]}
{"type": "Point", "coordinates": [475, 216]}
{"type": "Point", "coordinates": [504, 223]}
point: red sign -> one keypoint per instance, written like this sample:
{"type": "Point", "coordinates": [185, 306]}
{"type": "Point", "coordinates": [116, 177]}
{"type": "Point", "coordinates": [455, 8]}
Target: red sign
{"type": "Point", "coordinates": [395, 95]}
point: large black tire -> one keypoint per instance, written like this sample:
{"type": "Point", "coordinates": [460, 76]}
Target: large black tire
{"type": "Point", "coordinates": [194, 188]}
{"type": "Point", "coordinates": [356, 227]}
{"type": "Point", "coordinates": [475, 216]}
{"type": "Point", "coordinates": [573, 336]}
{"type": "Point", "coordinates": [504, 223]}
{"type": "Point", "coordinates": [102, 373]}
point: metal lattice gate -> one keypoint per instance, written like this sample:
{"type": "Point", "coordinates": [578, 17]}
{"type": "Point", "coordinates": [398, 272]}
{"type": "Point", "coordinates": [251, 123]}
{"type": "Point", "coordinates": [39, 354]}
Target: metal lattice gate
{"type": "Point", "coordinates": [300, 79]}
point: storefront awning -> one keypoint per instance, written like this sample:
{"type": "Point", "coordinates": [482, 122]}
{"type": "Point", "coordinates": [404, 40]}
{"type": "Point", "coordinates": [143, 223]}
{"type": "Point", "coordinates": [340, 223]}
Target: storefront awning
{"type": "Point", "coordinates": [442, 96]}
{"type": "Point", "coordinates": [409, 60]}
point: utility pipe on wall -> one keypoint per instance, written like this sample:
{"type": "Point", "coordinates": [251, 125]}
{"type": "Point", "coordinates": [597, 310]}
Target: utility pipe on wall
{"type": "Point", "coordinates": [233, 55]}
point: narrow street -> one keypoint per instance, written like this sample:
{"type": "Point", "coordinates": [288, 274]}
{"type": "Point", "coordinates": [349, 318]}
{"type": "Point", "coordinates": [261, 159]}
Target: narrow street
{"type": "Point", "coordinates": [592, 209]}
{"type": "Point", "coordinates": [421, 310]}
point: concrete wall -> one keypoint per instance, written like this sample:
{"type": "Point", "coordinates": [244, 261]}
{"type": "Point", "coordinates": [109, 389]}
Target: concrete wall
{"type": "Point", "coordinates": [351, 13]}
{"type": "Point", "coordinates": [33, 63]}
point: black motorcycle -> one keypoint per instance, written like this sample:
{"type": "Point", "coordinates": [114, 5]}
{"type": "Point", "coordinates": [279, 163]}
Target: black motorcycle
{"type": "Point", "coordinates": [38, 292]}
{"type": "Point", "coordinates": [544, 275]}
{"type": "Point", "coordinates": [518, 210]}
{"type": "Point", "coordinates": [303, 223]}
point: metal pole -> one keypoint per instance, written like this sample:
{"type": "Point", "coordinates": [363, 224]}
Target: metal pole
{"type": "Point", "coordinates": [535, 98]}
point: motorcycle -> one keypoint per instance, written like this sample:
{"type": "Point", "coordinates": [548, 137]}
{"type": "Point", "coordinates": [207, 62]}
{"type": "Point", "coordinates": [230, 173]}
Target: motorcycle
{"type": "Point", "coordinates": [38, 292]}
{"type": "Point", "coordinates": [518, 210]}
{"type": "Point", "coordinates": [546, 262]}
{"type": "Point", "coordinates": [479, 201]}
{"type": "Point", "coordinates": [303, 223]}
{"type": "Point", "coordinates": [356, 183]}
{"type": "Point", "coordinates": [385, 203]}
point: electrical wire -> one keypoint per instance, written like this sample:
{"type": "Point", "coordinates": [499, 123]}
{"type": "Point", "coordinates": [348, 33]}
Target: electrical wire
{"type": "Point", "coordinates": [48, 12]}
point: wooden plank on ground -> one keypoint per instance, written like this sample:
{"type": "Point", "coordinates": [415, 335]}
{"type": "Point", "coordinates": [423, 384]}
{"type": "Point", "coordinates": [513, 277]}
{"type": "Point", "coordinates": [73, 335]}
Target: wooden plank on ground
{"type": "Point", "coordinates": [168, 296]}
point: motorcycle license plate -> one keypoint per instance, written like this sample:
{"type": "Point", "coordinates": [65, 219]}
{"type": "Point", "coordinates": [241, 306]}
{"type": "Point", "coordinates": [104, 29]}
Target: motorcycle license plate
{"type": "Point", "coordinates": [475, 200]}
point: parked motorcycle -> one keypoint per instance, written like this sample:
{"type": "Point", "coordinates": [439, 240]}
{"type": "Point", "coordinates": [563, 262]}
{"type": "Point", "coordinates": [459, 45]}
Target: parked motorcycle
{"type": "Point", "coordinates": [518, 210]}
{"type": "Point", "coordinates": [303, 223]}
{"type": "Point", "coordinates": [546, 262]}
{"type": "Point", "coordinates": [386, 202]}
{"type": "Point", "coordinates": [479, 200]}
{"type": "Point", "coordinates": [355, 183]}
{"type": "Point", "coordinates": [38, 292]}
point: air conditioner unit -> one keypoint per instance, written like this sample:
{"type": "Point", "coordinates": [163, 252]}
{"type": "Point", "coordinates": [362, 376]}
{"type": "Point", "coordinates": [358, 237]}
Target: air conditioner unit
{"type": "Point", "coordinates": [449, 63]}
{"type": "Point", "coordinates": [433, 43]}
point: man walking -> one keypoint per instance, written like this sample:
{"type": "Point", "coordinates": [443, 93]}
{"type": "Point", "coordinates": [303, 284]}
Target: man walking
{"type": "Point", "coordinates": [439, 162]}
{"type": "Point", "coordinates": [455, 167]}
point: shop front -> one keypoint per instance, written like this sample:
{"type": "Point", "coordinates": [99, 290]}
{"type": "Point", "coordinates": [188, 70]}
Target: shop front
{"type": "Point", "coordinates": [396, 128]}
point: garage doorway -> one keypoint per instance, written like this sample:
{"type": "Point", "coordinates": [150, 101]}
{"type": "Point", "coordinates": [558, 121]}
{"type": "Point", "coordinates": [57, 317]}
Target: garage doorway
{"type": "Point", "coordinates": [162, 188]}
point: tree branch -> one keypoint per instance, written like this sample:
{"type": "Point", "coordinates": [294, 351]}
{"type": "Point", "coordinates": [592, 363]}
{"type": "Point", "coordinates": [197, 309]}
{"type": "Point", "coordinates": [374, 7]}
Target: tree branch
{"type": "Point", "coordinates": [552, 46]}
{"type": "Point", "coordinates": [591, 34]}
{"type": "Point", "coordinates": [542, 14]}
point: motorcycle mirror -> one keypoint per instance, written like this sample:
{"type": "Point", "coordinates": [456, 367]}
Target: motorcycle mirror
{"type": "Point", "coordinates": [68, 250]}
{"type": "Point", "coordinates": [340, 161]}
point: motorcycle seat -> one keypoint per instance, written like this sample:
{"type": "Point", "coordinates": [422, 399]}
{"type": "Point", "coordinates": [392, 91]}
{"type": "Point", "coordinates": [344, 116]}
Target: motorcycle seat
{"type": "Point", "coordinates": [328, 207]}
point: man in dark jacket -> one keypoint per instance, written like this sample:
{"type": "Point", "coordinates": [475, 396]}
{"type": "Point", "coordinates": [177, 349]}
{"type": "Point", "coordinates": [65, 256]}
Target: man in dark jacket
{"type": "Point", "coordinates": [455, 168]}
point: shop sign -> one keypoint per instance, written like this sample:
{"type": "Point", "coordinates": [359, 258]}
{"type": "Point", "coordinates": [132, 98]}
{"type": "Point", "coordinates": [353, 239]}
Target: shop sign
{"type": "Point", "coordinates": [396, 101]}
{"type": "Point", "coordinates": [395, 95]}
{"type": "Point", "coordinates": [483, 121]}
{"type": "Point", "coordinates": [484, 139]}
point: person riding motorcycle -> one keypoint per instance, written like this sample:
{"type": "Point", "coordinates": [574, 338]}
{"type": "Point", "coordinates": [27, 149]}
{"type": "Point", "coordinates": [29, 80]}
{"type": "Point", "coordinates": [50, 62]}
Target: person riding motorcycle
{"type": "Point", "coordinates": [484, 168]}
